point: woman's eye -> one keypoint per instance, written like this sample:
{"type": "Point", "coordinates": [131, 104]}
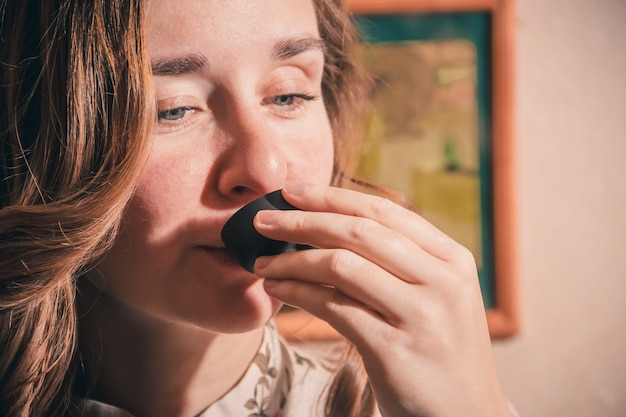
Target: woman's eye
{"type": "Point", "coordinates": [175, 114]}
{"type": "Point", "coordinates": [283, 100]}
{"type": "Point", "coordinates": [289, 104]}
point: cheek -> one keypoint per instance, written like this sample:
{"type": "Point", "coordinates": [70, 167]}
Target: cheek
{"type": "Point", "coordinates": [154, 229]}
{"type": "Point", "coordinates": [168, 188]}
{"type": "Point", "coordinates": [171, 178]}
{"type": "Point", "coordinates": [167, 172]}
{"type": "Point", "coordinates": [315, 166]}
{"type": "Point", "coordinates": [317, 154]}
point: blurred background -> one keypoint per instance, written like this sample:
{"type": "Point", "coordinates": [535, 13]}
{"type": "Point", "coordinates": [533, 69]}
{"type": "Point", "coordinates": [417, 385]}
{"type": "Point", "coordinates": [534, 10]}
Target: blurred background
{"type": "Point", "coordinates": [570, 357]}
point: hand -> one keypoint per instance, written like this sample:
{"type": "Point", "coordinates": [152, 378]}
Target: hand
{"type": "Point", "coordinates": [406, 295]}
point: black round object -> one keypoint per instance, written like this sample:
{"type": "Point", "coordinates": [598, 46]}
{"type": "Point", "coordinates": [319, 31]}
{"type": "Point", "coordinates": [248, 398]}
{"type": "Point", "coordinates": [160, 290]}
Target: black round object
{"type": "Point", "coordinates": [240, 236]}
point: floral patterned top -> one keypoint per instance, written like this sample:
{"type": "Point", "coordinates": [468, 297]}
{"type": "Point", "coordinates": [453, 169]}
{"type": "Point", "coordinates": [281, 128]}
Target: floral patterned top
{"type": "Point", "coordinates": [280, 382]}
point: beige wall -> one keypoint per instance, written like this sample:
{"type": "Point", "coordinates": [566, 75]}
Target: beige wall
{"type": "Point", "coordinates": [570, 358]}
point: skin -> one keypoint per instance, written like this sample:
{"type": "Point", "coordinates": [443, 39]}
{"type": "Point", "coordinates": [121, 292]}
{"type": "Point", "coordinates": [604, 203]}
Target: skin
{"type": "Point", "coordinates": [403, 292]}
{"type": "Point", "coordinates": [240, 113]}
{"type": "Point", "coordinates": [241, 116]}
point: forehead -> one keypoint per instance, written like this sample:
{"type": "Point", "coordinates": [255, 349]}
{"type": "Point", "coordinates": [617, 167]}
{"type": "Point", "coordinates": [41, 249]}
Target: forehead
{"type": "Point", "coordinates": [226, 25]}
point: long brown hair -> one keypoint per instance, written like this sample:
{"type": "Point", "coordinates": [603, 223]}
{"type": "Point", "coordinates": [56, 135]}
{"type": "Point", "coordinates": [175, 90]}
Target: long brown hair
{"type": "Point", "coordinates": [75, 110]}
{"type": "Point", "coordinates": [344, 85]}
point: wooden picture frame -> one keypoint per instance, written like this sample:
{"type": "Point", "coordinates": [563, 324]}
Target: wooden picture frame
{"type": "Point", "coordinates": [502, 304]}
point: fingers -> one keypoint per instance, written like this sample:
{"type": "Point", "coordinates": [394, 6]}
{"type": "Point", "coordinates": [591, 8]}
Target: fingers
{"type": "Point", "coordinates": [345, 272]}
{"type": "Point", "coordinates": [352, 203]}
{"type": "Point", "coordinates": [350, 318]}
{"type": "Point", "coordinates": [373, 256]}
{"type": "Point", "coordinates": [384, 247]}
{"type": "Point", "coordinates": [404, 293]}
{"type": "Point", "coordinates": [369, 259]}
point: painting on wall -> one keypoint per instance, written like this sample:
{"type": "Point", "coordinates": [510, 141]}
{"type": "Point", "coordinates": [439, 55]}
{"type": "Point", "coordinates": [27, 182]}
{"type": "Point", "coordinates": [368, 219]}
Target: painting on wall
{"type": "Point", "coordinates": [422, 135]}
{"type": "Point", "coordinates": [439, 131]}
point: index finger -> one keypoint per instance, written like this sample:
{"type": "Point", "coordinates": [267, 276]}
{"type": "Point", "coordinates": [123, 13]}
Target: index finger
{"type": "Point", "coordinates": [353, 203]}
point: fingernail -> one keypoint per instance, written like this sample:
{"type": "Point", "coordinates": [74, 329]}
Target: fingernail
{"type": "Point", "coordinates": [267, 216]}
{"type": "Point", "coordinates": [262, 262]}
{"type": "Point", "coordinates": [269, 283]}
{"type": "Point", "coordinates": [295, 188]}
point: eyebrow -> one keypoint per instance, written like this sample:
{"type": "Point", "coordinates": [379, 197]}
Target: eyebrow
{"type": "Point", "coordinates": [191, 63]}
{"type": "Point", "coordinates": [288, 48]}
{"type": "Point", "coordinates": [178, 65]}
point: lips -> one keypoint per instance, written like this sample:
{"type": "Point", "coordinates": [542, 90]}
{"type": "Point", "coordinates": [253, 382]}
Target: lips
{"type": "Point", "coordinates": [221, 255]}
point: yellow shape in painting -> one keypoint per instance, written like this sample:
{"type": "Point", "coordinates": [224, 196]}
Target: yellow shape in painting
{"type": "Point", "coordinates": [451, 201]}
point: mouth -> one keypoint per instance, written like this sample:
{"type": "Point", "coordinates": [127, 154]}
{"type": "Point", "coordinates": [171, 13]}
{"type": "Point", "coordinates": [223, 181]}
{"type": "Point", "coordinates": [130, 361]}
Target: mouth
{"type": "Point", "coordinates": [221, 255]}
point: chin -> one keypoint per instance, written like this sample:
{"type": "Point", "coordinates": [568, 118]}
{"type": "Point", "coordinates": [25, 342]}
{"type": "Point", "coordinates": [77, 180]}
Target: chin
{"type": "Point", "coordinates": [246, 315]}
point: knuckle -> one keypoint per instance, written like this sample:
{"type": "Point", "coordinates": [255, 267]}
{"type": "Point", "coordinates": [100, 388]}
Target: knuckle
{"type": "Point", "coordinates": [381, 206]}
{"type": "Point", "coordinates": [337, 300]}
{"type": "Point", "coordinates": [329, 195]}
{"type": "Point", "coordinates": [459, 255]}
{"type": "Point", "coordinates": [299, 222]}
{"type": "Point", "coordinates": [362, 229]}
{"type": "Point", "coordinates": [342, 261]}
{"type": "Point", "coordinates": [465, 257]}
{"type": "Point", "coordinates": [460, 288]}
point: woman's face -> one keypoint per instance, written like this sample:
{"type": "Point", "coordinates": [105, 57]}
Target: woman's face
{"type": "Point", "coordinates": [238, 85]}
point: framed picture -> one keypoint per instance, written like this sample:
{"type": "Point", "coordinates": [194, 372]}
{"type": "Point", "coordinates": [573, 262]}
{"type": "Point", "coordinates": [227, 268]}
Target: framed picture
{"type": "Point", "coordinates": [441, 132]}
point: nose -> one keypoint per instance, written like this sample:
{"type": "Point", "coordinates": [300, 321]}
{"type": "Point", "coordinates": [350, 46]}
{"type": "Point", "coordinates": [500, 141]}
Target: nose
{"type": "Point", "coordinates": [255, 162]}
